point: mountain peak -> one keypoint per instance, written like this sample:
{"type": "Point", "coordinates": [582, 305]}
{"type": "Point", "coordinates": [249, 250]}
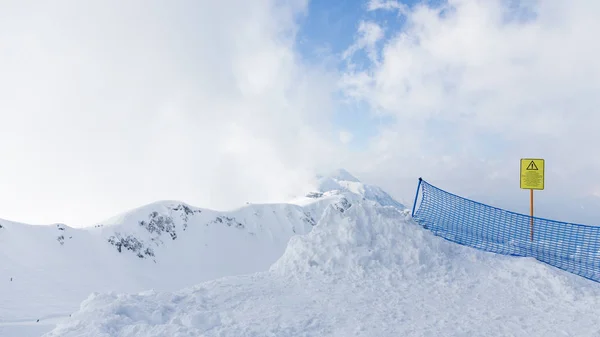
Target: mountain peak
{"type": "Point", "coordinates": [343, 181]}
{"type": "Point", "coordinates": [342, 175]}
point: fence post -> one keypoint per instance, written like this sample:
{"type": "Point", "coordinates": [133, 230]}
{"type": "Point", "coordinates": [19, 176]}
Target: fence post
{"type": "Point", "coordinates": [531, 211]}
{"type": "Point", "coordinates": [416, 196]}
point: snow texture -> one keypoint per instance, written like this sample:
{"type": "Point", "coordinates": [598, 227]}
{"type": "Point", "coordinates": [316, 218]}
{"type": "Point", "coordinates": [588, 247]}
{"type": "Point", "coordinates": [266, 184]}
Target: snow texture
{"type": "Point", "coordinates": [365, 271]}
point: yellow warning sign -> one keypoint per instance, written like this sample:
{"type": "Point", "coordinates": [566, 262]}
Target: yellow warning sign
{"type": "Point", "coordinates": [532, 174]}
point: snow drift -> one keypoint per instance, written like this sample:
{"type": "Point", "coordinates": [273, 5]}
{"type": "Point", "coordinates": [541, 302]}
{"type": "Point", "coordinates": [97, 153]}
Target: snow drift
{"type": "Point", "coordinates": [365, 269]}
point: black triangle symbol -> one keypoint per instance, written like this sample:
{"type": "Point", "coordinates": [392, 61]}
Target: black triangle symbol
{"type": "Point", "coordinates": [532, 166]}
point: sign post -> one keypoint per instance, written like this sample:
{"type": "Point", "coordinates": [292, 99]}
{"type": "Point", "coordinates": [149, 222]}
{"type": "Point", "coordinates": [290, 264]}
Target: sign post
{"type": "Point", "coordinates": [532, 178]}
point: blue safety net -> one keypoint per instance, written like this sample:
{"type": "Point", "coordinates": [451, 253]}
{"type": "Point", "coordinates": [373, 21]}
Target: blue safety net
{"type": "Point", "coordinates": [571, 247]}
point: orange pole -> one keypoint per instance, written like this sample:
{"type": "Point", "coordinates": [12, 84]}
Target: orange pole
{"type": "Point", "coordinates": [531, 210]}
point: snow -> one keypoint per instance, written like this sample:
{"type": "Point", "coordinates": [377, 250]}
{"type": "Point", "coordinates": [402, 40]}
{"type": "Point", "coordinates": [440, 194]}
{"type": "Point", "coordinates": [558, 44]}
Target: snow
{"type": "Point", "coordinates": [53, 268]}
{"type": "Point", "coordinates": [345, 260]}
{"type": "Point", "coordinates": [342, 182]}
{"type": "Point", "coordinates": [50, 278]}
{"type": "Point", "coordinates": [364, 271]}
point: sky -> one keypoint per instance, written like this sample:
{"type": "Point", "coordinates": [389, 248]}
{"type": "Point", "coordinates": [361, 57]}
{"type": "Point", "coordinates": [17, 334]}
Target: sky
{"type": "Point", "coordinates": [109, 105]}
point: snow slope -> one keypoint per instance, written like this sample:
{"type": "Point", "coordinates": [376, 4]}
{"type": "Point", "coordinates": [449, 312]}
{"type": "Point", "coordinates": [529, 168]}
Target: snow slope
{"type": "Point", "coordinates": [47, 271]}
{"type": "Point", "coordinates": [364, 270]}
{"type": "Point", "coordinates": [342, 180]}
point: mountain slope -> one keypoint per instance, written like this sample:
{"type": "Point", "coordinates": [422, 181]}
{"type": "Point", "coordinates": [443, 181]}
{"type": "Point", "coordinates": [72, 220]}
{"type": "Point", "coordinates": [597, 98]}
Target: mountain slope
{"type": "Point", "coordinates": [342, 180]}
{"type": "Point", "coordinates": [48, 270]}
{"type": "Point", "coordinates": [365, 270]}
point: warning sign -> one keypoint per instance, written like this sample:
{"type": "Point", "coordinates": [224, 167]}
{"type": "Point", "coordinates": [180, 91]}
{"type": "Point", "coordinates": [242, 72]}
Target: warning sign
{"type": "Point", "coordinates": [532, 174]}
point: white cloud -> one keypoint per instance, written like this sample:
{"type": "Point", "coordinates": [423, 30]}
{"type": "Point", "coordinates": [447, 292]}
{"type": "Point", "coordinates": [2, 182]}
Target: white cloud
{"type": "Point", "coordinates": [386, 5]}
{"type": "Point", "coordinates": [369, 33]}
{"type": "Point", "coordinates": [482, 84]}
{"type": "Point", "coordinates": [106, 105]}
{"type": "Point", "coordinates": [346, 137]}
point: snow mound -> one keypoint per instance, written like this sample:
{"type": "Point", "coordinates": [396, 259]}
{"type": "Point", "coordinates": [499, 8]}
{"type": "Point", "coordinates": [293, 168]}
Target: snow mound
{"type": "Point", "coordinates": [351, 241]}
{"type": "Point", "coordinates": [364, 270]}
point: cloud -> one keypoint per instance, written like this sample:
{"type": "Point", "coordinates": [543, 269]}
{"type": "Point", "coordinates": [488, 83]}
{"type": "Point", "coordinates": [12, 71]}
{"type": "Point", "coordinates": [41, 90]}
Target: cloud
{"type": "Point", "coordinates": [473, 86]}
{"type": "Point", "coordinates": [388, 5]}
{"type": "Point", "coordinates": [107, 105]}
{"type": "Point", "coordinates": [346, 137]}
{"type": "Point", "coordinates": [369, 33]}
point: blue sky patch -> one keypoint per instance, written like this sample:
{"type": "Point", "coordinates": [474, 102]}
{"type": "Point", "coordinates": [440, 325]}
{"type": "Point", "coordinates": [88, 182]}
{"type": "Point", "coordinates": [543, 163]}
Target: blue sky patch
{"type": "Point", "coordinates": [329, 29]}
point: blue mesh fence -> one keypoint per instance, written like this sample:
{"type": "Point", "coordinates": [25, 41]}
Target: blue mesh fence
{"type": "Point", "coordinates": [571, 247]}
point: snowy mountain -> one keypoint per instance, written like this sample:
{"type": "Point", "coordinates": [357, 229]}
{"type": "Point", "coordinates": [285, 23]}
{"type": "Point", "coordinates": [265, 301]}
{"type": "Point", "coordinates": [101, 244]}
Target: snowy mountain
{"type": "Point", "coordinates": [342, 180]}
{"type": "Point", "coordinates": [48, 270]}
{"type": "Point", "coordinates": [363, 270]}
{"type": "Point", "coordinates": [343, 260]}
